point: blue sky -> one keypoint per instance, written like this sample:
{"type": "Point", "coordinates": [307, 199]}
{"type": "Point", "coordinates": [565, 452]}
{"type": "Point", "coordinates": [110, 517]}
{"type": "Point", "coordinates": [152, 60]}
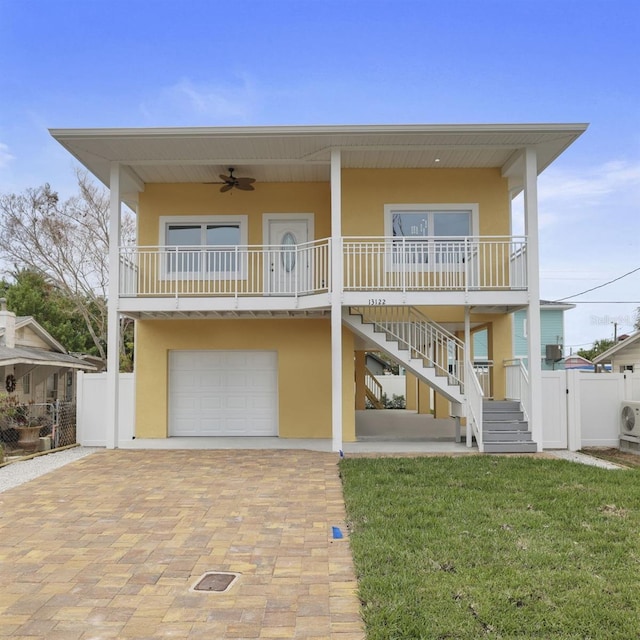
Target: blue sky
{"type": "Point", "coordinates": [119, 63]}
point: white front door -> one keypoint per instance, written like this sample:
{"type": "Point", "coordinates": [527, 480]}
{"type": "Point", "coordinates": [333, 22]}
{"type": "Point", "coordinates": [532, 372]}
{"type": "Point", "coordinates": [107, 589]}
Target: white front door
{"type": "Point", "coordinates": [288, 263]}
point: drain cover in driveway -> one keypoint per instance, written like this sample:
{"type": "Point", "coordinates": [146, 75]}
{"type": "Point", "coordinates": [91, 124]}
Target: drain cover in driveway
{"type": "Point", "coordinates": [215, 581]}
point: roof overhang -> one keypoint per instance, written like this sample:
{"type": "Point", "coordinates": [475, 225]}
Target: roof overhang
{"type": "Point", "coordinates": [605, 356]}
{"type": "Point", "coordinates": [41, 357]}
{"type": "Point", "coordinates": [303, 153]}
{"type": "Point", "coordinates": [40, 331]}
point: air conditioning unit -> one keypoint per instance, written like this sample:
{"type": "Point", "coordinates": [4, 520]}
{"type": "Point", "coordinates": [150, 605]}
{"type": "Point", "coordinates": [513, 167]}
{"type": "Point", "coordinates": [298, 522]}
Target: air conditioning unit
{"type": "Point", "coordinates": [630, 419]}
{"type": "Point", "coordinates": [553, 352]}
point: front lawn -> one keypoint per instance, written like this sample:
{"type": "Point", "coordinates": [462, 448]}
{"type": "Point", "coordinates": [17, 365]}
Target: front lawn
{"type": "Point", "coordinates": [494, 547]}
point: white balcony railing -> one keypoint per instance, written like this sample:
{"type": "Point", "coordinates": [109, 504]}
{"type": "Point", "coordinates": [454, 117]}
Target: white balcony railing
{"type": "Point", "coordinates": [226, 271]}
{"type": "Point", "coordinates": [436, 264]}
{"type": "Point", "coordinates": [369, 264]}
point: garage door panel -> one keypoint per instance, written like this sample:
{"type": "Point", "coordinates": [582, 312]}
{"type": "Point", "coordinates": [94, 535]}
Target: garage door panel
{"type": "Point", "coordinates": [262, 359]}
{"type": "Point", "coordinates": [211, 403]}
{"type": "Point", "coordinates": [209, 379]}
{"type": "Point", "coordinates": [239, 379]}
{"type": "Point", "coordinates": [222, 393]}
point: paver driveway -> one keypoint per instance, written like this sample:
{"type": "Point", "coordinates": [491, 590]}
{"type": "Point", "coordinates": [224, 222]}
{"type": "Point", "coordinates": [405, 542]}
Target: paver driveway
{"type": "Point", "coordinates": [110, 545]}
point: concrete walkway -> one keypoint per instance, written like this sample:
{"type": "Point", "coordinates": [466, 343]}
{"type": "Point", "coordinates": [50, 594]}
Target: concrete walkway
{"type": "Point", "coordinates": [109, 546]}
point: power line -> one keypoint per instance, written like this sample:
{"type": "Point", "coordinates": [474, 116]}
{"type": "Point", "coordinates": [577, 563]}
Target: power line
{"type": "Point", "coordinates": [575, 295]}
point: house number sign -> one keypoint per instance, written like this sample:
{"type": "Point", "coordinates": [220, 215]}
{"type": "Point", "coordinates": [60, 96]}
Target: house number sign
{"type": "Point", "coordinates": [374, 302]}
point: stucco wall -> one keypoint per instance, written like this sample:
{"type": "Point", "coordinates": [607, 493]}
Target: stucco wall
{"type": "Point", "coordinates": [205, 199]}
{"type": "Point", "coordinates": [304, 369]}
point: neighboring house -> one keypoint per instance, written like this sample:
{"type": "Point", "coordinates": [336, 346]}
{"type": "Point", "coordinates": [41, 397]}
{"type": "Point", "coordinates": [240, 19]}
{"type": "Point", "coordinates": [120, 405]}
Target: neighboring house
{"type": "Point", "coordinates": [623, 356]}
{"type": "Point", "coordinates": [578, 362]}
{"type": "Point", "coordinates": [251, 298]}
{"type": "Point", "coordinates": [33, 365]}
{"type": "Point", "coordinates": [551, 336]}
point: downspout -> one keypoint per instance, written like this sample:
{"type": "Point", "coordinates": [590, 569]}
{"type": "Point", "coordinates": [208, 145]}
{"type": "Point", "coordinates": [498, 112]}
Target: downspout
{"type": "Point", "coordinates": [533, 308]}
{"type": "Point", "coordinates": [336, 301]}
{"type": "Point", "coordinates": [113, 324]}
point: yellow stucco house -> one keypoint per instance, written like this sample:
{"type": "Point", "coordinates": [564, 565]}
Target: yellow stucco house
{"type": "Point", "coordinates": [268, 260]}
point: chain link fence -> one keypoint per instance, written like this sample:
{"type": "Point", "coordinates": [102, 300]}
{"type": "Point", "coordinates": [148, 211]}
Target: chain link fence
{"type": "Point", "coordinates": [29, 428]}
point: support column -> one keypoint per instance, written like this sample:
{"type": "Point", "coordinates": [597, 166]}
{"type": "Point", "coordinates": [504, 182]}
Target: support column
{"type": "Point", "coordinates": [361, 392]}
{"type": "Point", "coordinates": [411, 391]}
{"type": "Point", "coordinates": [336, 300]}
{"type": "Point", "coordinates": [113, 317]}
{"type": "Point", "coordinates": [533, 308]}
{"type": "Point", "coordinates": [468, 355]}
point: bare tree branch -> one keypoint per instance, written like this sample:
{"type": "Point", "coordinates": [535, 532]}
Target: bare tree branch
{"type": "Point", "coordinates": [67, 242]}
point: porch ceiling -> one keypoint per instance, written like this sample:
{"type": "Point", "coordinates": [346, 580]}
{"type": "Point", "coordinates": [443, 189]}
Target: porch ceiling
{"type": "Point", "coordinates": [302, 153]}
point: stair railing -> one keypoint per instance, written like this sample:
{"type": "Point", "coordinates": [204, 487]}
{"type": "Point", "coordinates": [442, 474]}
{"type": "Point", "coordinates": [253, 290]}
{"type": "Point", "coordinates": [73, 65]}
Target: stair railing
{"type": "Point", "coordinates": [518, 384]}
{"type": "Point", "coordinates": [373, 389]}
{"type": "Point", "coordinates": [424, 338]}
{"type": "Point", "coordinates": [475, 398]}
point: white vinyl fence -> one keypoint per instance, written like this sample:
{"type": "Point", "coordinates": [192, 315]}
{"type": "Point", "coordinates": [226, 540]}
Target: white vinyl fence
{"type": "Point", "coordinates": [393, 385]}
{"type": "Point", "coordinates": [92, 412]}
{"type": "Point", "coordinates": [580, 409]}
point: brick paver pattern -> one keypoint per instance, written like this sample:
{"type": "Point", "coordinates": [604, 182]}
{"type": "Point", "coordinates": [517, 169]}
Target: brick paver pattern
{"type": "Point", "coordinates": [109, 547]}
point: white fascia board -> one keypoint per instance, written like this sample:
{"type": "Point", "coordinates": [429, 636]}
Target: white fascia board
{"type": "Point", "coordinates": [318, 130]}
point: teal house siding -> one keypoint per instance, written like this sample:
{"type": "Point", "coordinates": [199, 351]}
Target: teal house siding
{"type": "Point", "coordinates": [480, 348]}
{"type": "Point", "coordinates": [551, 332]}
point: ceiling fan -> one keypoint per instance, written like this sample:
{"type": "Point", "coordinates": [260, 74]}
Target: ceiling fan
{"type": "Point", "coordinates": [231, 181]}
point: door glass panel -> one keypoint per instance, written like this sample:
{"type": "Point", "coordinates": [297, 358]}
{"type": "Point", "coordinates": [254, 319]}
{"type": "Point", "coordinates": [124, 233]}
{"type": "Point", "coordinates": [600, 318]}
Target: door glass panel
{"type": "Point", "coordinates": [451, 223]}
{"type": "Point", "coordinates": [183, 260]}
{"type": "Point", "coordinates": [408, 224]}
{"type": "Point", "coordinates": [288, 252]}
{"type": "Point", "coordinates": [221, 260]}
{"type": "Point", "coordinates": [223, 234]}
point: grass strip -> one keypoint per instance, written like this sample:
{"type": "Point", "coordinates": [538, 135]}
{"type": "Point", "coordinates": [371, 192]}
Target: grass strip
{"type": "Point", "coordinates": [496, 547]}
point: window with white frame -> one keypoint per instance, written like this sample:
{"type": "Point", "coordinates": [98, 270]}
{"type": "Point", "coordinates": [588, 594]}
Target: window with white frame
{"type": "Point", "coordinates": [68, 395]}
{"type": "Point", "coordinates": [206, 246]}
{"type": "Point", "coordinates": [26, 384]}
{"type": "Point", "coordinates": [430, 234]}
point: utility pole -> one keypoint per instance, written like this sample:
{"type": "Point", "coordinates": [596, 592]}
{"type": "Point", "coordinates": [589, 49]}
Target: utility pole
{"type": "Point", "coordinates": [615, 332]}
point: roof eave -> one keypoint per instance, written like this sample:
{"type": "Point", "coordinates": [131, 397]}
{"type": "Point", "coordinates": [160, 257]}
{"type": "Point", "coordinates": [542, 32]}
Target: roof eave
{"type": "Point", "coordinates": [606, 355]}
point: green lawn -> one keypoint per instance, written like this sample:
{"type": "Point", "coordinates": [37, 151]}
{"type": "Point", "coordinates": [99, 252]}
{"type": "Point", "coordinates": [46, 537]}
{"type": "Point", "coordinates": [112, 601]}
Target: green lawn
{"type": "Point", "coordinates": [494, 547]}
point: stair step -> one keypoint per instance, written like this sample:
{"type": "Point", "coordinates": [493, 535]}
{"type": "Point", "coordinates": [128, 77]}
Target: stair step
{"type": "Point", "coordinates": [501, 405]}
{"type": "Point", "coordinates": [510, 447]}
{"type": "Point", "coordinates": [505, 425]}
{"type": "Point", "coordinates": [501, 416]}
{"type": "Point", "coordinates": [506, 436]}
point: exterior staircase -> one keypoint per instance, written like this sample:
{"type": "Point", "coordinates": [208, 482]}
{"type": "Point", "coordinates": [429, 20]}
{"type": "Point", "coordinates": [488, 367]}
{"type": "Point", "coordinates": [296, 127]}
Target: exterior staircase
{"type": "Point", "coordinates": [423, 347]}
{"type": "Point", "coordinates": [504, 429]}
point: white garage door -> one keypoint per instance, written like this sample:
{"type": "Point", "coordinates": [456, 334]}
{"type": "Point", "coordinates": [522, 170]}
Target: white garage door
{"type": "Point", "coordinates": [223, 393]}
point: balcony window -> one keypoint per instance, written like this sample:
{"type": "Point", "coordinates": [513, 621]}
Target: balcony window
{"type": "Point", "coordinates": [204, 246]}
{"type": "Point", "coordinates": [428, 234]}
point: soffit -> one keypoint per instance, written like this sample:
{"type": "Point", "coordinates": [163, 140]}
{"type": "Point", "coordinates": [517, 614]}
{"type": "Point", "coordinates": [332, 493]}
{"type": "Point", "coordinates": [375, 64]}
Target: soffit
{"type": "Point", "coordinates": [302, 154]}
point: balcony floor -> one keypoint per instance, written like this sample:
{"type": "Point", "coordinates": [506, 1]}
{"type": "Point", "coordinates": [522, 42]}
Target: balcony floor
{"type": "Point", "coordinates": [313, 305]}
